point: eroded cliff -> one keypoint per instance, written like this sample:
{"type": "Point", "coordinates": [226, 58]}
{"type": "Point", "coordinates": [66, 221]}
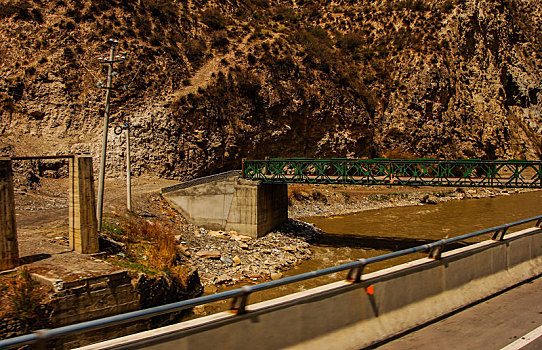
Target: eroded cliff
{"type": "Point", "coordinates": [212, 82]}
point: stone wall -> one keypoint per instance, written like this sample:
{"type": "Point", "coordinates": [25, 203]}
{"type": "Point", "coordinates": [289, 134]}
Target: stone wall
{"type": "Point", "coordinates": [102, 296]}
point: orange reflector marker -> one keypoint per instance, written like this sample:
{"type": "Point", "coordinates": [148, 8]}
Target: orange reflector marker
{"type": "Point", "coordinates": [370, 290]}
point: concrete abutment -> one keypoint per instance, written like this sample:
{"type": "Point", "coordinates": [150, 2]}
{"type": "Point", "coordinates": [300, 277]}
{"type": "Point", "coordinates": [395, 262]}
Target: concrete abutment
{"type": "Point", "coordinates": [229, 203]}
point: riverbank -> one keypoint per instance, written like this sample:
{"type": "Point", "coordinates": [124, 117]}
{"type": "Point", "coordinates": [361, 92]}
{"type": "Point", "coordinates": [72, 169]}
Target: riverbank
{"type": "Point", "coordinates": [223, 258]}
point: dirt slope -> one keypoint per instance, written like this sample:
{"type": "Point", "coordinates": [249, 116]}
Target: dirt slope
{"type": "Point", "coordinates": [212, 82]}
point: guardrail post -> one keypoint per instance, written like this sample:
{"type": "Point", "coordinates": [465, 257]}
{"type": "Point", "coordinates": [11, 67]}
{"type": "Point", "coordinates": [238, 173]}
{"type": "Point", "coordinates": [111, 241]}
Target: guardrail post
{"type": "Point", "coordinates": [239, 303]}
{"type": "Point", "coordinates": [499, 234]}
{"type": "Point", "coordinates": [9, 248]}
{"type": "Point", "coordinates": [265, 169]}
{"type": "Point", "coordinates": [83, 230]}
{"type": "Point", "coordinates": [41, 343]}
{"type": "Point", "coordinates": [436, 252]}
{"type": "Point", "coordinates": [354, 274]}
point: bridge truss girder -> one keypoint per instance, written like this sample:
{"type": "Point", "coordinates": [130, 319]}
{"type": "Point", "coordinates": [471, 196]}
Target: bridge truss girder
{"type": "Point", "coordinates": [396, 172]}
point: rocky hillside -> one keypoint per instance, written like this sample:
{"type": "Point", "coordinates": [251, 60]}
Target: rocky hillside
{"type": "Point", "coordinates": [212, 82]}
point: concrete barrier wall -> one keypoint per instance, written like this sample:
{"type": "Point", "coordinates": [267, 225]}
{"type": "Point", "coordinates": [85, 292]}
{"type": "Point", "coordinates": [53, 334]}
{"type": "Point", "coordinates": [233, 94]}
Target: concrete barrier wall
{"type": "Point", "coordinates": [343, 315]}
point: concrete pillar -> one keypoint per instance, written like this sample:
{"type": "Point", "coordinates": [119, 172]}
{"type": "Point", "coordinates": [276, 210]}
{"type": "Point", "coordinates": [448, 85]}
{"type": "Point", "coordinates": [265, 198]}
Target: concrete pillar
{"type": "Point", "coordinates": [83, 231]}
{"type": "Point", "coordinates": [9, 249]}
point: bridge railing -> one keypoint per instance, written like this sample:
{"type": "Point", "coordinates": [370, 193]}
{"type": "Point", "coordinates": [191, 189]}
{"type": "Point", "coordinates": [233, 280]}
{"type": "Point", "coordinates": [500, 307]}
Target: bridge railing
{"type": "Point", "coordinates": [240, 295]}
{"type": "Point", "coordinates": [396, 172]}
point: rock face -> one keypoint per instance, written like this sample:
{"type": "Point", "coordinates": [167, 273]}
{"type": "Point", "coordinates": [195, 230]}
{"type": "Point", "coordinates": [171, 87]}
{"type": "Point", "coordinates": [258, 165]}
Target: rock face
{"type": "Point", "coordinates": [454, 79]}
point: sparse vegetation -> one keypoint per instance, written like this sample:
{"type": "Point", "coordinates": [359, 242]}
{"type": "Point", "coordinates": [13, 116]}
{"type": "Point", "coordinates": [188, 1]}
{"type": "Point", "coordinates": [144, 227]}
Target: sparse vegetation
{"type": "Point", "coordinates": [25, 298]}
{"type": "Point", "coordinates": [149, 247]}
{"type": "Point", "coordinates": [214, 19]}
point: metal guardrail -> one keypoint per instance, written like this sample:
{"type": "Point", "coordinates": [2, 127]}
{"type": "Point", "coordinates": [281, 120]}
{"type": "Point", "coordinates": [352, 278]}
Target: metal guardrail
{"type": "Point", "coordinates": [355, 270]}
{"type": "Point", "coordinates": [397, 172]}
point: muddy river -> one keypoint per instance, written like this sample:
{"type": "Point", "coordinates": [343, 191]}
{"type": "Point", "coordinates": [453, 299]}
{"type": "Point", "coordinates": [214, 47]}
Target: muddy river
{"type": "Point", "coordinates": [377, 232]}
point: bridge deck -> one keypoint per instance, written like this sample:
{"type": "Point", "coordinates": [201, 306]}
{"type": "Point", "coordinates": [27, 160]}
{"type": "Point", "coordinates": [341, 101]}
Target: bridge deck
{"type": "Point", "coordinates": [442, 173]}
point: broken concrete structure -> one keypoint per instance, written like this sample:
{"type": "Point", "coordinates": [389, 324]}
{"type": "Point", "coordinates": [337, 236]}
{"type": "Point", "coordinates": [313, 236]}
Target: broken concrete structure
{"type": "Point", "coordinates": [9, 249]}
{"type": "Point", "coordinates": [83, 231]}
{"type": "Point", "coordinates": [227, 202]}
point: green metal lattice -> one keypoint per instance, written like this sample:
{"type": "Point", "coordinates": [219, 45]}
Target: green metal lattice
{"type": "Point", "coordinates": [397, 172]}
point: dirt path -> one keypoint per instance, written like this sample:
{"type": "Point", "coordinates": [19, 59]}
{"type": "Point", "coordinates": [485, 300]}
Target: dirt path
{"type": "Point", "coordinates": [203, 76]}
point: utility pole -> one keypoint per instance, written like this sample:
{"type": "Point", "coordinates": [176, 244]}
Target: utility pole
{"type": "Point", "coordinates": [109, 62]}
{"type": "Point", "coordinates": [128, 176]}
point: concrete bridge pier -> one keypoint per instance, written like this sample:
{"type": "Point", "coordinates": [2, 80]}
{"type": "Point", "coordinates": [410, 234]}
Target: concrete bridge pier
{"type": "Point", "coordinates": [226, 202]}
{"type": "Point", "coordinates": [9, 248]}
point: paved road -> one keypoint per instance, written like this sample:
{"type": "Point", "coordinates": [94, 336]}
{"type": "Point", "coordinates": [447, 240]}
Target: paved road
{"type": "Point", "coordinates": [492, 324]}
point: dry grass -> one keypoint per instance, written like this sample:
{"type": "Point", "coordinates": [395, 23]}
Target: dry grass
{"type": "Point", "coordinates": [22, 298]}
{"type": "Point", "coordinates": [149, 246]}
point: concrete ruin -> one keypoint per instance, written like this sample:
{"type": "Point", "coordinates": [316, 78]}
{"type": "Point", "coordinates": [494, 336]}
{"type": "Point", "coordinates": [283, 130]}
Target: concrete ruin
{"type": "Point", "coordinates": [83, 234]}
{"type": "Point", "coordinates": [225, 202]}
{"type": "Point", "coordinates": [9, 248]}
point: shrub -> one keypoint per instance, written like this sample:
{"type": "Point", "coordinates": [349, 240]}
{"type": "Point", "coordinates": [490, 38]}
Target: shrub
{"type": "Point", "coordinates": [68, 53]}
{"type": "Point", "coordinates": [195, 49]}
{"type": "Point", "coordinates": [163, 10]}
{"type": "Point", "coordinates": [148, 246]}
{"type": "Point", "coordinates": [70, 25]}
{"type": "Point", "coordinates": [285, 13]}
{"type": "Point", "coordinates": [351, 41]}
{"type": "Point", "coordinates": [248, 84]}
{"type": "Point", "coordinates": [37, 15]}
{"type": "Point", "coordinates": [251, 59]}
{"type": "Point", "coordinates": [221, 42]}
{"type": "Point", "coordinates": [317, 44]}
{"type": "Point", "coordinates": [414, 5]}
{"type": "Point", "coordinates": [156, 39]}
{"type": "Point", "coordinates": [17, 9]}
{"type": "Point", "coordinates": [318, 196]}
{"type": "Point", "coordinates": [214, 19]}
{"type": "Point", "coordinates": [100, 5]}
{"type": "Point", "coordinates": [26, 300]}
{"type": "Point", "coordinates": [75, 13]}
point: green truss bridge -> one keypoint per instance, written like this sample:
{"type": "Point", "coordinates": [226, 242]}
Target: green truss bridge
{"type": "Point", "coordinates": [396, 172]}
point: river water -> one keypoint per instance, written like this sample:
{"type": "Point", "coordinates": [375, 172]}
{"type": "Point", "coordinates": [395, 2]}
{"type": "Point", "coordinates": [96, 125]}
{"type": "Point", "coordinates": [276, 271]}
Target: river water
{"type": "Point", "coordinates": [377, 232]}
